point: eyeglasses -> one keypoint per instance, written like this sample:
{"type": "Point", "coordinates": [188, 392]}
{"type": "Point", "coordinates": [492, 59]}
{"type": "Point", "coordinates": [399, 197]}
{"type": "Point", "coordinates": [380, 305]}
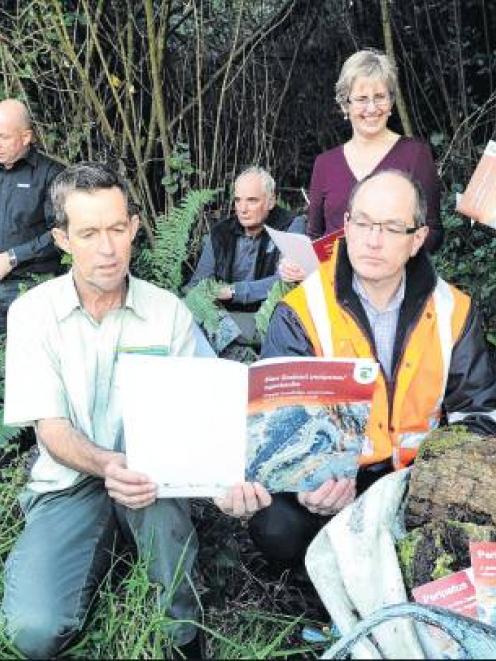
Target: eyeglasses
{"type": "Point", "coordinates": [364, 225]}
{"type": "Point", "coordinates": [378, 100]}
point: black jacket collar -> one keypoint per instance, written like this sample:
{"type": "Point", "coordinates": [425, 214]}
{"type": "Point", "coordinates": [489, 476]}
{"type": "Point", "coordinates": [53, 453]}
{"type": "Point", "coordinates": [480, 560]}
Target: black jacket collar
{"type": "Point", "coordinates": [30, 157]}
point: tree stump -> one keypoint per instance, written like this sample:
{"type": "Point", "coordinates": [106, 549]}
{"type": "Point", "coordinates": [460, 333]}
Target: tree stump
{"type": "Point", "coordinates": [451, 500]}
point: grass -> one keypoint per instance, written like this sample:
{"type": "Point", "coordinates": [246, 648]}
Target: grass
{"type": "Point", "coordinates": [249, 610]}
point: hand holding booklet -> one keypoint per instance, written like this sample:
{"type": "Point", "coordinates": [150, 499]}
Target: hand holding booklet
{"type": "Point", "coordinates": [197, 426]}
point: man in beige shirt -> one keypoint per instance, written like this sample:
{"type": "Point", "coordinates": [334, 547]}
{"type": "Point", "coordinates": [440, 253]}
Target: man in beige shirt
{"type": "Point", "coordinates": [64, 339]}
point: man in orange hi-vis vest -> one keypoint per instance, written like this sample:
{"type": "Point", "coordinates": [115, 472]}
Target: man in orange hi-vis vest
{"type": "Point", "coordinates": [378, 296]}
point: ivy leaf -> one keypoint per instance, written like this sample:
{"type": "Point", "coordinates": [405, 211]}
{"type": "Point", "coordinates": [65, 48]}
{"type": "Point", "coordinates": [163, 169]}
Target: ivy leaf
{"type": "Point", "coordinates": [437, 138]}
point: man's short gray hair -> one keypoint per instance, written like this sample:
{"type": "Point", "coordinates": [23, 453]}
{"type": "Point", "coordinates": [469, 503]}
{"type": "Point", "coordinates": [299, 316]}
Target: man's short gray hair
{"type": "Point", "coordinates": [86, 176]}
{"type": "Point", "coordinates": [366, 63]}
{"type": "Point", "coordinates": [267, 180]}
{"type": "Point", "coordinates": [420, 211]}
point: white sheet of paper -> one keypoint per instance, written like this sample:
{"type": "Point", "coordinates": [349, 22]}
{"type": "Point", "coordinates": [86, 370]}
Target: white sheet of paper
{"type": "Point", "coordinates": [296, 247]}
{"type": "Point", "coordinates": [183, 427]}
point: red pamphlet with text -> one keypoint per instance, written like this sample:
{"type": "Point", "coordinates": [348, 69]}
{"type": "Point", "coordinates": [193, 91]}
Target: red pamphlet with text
{"type": "Point", "coordinates": [455, 592]}
{"type": "Point", "coordinates": [483, 557]}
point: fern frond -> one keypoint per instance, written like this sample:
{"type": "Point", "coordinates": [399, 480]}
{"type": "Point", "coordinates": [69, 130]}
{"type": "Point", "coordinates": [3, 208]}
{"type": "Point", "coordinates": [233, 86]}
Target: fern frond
{"type": "Point", "coordinates": [162, 264]}
{"type": "Point", "coordinates": [7, 434]}
{"type": "Point", "coordinates": [202, 303]}
{"type": "Point", "coordinates": [262, 317]}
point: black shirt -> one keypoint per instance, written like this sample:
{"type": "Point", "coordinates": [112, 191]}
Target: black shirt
{"type": "Point", "coordinates": [26, 213]}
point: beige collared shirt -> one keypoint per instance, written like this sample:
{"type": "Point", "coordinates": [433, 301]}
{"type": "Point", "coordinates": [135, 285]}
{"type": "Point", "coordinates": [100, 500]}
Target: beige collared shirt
{"type": "Point", "coordinates": [61, 363]}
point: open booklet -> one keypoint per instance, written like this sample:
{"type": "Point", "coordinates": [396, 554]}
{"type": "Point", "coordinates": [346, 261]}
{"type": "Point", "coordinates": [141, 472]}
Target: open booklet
{"type": "Point", "coordinates": [479, 199]}
{"type": "Point", "coordinates": [301, 250]}
{"type": "Point", "coordinates": [197, 426]}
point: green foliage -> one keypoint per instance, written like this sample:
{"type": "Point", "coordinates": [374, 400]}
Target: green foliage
{"type": "Point", "coordinates": [260, 636]}
{"type": "Point", "coordinates": [162, 264]}
{"type": "Point", "coordinates": [12, 477]}
{"type": "Point", "coordinates": [202, 303]}
{"type": "Point", "coordinates": [466, 260]}
{"type": "Point", "coordinates": [180, 169]}
{"type": "Point", "coordinates": [128, 619]}
{"type": "Point", "coordinates": [262, 317]}
{"type": "Point", "coordinates": [443, 566]}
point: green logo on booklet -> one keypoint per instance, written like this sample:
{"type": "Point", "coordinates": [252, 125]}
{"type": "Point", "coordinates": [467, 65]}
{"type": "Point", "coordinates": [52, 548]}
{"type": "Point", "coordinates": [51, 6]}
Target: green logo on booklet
{"type": "Point", "coordinates": [153, 350]}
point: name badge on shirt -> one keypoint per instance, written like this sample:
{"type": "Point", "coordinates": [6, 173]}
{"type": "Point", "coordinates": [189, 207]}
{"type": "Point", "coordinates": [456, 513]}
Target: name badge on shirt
{"type": "Point", "coordinates": [23, 185]}
{"type": "Point", "coordinates": [151, 350]}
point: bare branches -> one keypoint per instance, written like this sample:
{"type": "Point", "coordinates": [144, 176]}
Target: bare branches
{"type": "Point", "coordinates": [388, 42]}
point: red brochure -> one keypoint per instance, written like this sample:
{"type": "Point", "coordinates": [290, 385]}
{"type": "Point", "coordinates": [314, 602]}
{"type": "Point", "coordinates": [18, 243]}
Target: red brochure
{"type": "Point", "coordinates": [325, 245]}
{"type": "Point", "coordinates": [455, 592]}
{"type": "Point", "coordinates": [483, 557]}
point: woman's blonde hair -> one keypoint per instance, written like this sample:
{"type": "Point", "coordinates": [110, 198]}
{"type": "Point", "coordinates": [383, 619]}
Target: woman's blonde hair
{"type": "Point", "coordinates": [369, 63]}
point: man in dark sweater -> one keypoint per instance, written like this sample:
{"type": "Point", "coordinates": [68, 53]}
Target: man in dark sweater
{"type": "Point", "coordinates": [26, 215]}
{"type": "Point", "coordinates": [239, 251]}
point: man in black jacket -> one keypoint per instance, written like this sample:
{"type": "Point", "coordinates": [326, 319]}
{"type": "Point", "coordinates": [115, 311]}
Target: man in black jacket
{"type": "Point", "coordinates": [238, 251]}
{"type": "Point", "coordinates": [379, 296]}
{"type": "Point", "coordinates": [26, 215]}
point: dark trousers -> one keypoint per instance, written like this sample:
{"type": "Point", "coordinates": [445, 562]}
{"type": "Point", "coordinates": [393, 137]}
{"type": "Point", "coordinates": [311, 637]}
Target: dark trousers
{"type": "Point", "coordinates": [283, 531]}
{"type": "Point", "coordinates": [66, 549]}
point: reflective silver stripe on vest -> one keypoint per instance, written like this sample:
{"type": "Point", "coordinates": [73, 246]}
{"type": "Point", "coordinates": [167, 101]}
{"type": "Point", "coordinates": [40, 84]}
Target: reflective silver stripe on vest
{"type": "Point", "coordinates": [444, 305]}
{"type": "Point", "coordinates": [314, 292]}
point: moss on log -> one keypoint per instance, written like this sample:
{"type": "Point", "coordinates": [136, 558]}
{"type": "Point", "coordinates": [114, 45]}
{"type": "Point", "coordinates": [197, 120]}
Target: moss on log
{"type": "Point", "coordinates": [438, 549]}
{"type": "Point", "coordinates": [451, 500]}
{"type": "Point", "coordinates": [454, 478]}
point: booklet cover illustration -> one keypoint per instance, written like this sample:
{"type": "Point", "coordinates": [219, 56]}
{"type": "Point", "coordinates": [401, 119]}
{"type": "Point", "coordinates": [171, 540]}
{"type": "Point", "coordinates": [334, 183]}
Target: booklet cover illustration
{"type": "Point", "coordinates": [307, 422]}
{"type": "Point", "coordinates": [197, 426]}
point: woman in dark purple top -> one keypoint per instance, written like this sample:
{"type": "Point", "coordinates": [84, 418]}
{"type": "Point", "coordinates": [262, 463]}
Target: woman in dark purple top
{"type": "Point", "coordinates": [366, 91]}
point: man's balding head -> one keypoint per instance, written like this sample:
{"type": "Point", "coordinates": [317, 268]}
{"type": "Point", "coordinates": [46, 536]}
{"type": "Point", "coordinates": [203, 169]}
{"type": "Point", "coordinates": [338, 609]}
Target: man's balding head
{"type": "Point", "coordinates": [15, 131]}
{"type": "Point", "coordinates": [385, 225]}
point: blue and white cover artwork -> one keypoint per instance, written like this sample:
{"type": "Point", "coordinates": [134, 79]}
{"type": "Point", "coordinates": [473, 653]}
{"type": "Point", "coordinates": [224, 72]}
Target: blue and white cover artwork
{"type": "Point", "coordinates": [307, 421]}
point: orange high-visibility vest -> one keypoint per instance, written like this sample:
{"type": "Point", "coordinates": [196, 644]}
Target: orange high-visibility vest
{"type": "Point", "coordinates": [395, 429]}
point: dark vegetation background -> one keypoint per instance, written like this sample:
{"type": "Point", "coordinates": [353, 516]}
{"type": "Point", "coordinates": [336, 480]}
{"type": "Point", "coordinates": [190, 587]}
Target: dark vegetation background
{"type": "Point", "coordinates": [179, 95]}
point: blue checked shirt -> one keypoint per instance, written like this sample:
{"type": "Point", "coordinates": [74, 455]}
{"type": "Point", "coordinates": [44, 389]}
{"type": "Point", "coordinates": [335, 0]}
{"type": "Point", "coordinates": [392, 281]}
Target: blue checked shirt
{"type": "Point", "coordinates": [382, 322]}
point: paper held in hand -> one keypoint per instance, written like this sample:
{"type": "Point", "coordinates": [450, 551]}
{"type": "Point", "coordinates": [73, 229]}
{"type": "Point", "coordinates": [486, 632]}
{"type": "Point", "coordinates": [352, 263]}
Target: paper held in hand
{"type": "Point", "coordinates": [479, 199]}
{"type": "Point", "coordinates": [197, 426]}
{"type": "Point", "coordinates": [299, 248]}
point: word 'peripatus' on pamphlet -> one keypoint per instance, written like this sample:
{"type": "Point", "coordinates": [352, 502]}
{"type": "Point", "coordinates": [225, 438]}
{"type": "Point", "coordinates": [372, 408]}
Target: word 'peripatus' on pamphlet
{"type": "Point", "coordinates": [483, 558]}
{"type": "Point", "coordinates": [455, 592]}
{"type": "Point", "coordinates": [197, 426]}
{"type": "Point", "coordinates": [479, 199]}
